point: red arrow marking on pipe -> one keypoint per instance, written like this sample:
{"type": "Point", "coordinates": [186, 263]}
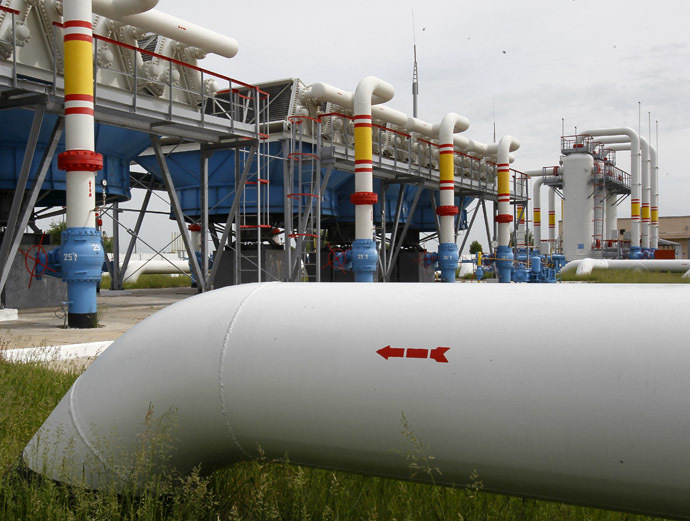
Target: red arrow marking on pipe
{"type": "Point", "coordinates": [437, 354]}
{"type": "Point", "coordinates": [391, 352]}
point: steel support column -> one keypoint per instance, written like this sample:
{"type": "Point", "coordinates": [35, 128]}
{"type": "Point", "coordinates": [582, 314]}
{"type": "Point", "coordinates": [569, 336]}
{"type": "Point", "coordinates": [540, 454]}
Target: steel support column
{"type": "Point", "coordinates": [175, 203]}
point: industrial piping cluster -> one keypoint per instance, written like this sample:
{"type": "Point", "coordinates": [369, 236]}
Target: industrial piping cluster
{"type": "Point", "coordinates": [79, 259]}
{"type": "Point", "coordinates": [366, 103]}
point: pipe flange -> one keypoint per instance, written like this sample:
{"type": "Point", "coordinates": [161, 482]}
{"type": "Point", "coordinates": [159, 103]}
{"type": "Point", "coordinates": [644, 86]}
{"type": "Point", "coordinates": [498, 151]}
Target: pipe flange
{"type": "Point", "coordinates": [504, 218]}
{"type": "Point", "coordinates": [80, 161]}
{"type": "Point", "coordinates": [443, 211]}
{"type": "Point", "coordinates": [360, 198]}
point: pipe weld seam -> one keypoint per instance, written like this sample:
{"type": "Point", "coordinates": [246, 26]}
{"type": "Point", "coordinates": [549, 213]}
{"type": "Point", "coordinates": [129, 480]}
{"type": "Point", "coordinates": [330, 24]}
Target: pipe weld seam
{"type": "Point", "coordinates": [221, 372]}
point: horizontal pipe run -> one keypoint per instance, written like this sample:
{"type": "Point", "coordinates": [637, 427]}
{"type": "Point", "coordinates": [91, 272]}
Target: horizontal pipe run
{"type": "Point", "coordinates": [539, 419]}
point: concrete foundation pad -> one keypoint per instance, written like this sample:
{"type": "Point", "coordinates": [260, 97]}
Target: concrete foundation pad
{"type": "Point", "coordinates": [7, 314]}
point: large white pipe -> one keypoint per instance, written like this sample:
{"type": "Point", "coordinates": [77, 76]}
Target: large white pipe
{"type": "Point", "coordinates": [670, 265]}
{"type": "Point", "coordinates": [168, 26]}
{"type": "Point", "coordinates": [599, 421]}
{"type": "Point", "coordinates": [634, 172]}
{"type": "Point", "coordinates": [451, 124]}
{"type": "Point", "coordinates": [504, 217]}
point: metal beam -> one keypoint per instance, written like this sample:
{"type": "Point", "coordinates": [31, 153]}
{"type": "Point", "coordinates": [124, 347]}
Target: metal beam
{"type": "Point", "coordinates": [396, 224]}
{"type": "Point", "coordinates": [22, 180]}
{"type": "Point", "coordinates": [486, 224]}
{"type": "Point", "coordinates": [16, 236]}
{"type": "Point", "coordinates": [469, 228]}
{"type": "Point", "coordinates": [137, 226]}
{"type": "Point", "coordinates": [175, 202]}
{"type": "Point", "coordinates": [413, 207]}
{"type": "Point", "coordinates": [239, 189]}
{"type": "Point", "coordinates": [203, 181]}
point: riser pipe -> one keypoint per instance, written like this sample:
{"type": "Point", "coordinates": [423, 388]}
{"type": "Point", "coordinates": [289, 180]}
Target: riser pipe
{"type": "Point", "coordinates": [447, 211]}
{"type": "Point", "coordinates": [536, 219]}
{"type": "Point", "coordinates": [504, 252]}
{"type": "Point", "coordinates": [80, 256]}
{"type": "Point", "coordinates": [600, 421]}
{"type": "Point", "coordinates": [635, 189]}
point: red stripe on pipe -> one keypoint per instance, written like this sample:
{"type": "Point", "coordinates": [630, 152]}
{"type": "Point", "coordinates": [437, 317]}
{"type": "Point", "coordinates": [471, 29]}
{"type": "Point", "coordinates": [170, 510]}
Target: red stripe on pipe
{"type": "Point", "coordinates": [78, 37]}
{"type": "Point", "coordinates": [506, 165]}
{"type": "Point", "coordinates": [78, 97]}
{"type": "Point", "coordinates": [362, 161]}
{"type": "Point", "coordinates": [78, 23]}
{"type": "Point", "coordinates": [362, 116]}
{"type": "Point", "coordinates": [78, 110]}
{"type": "Point", "coordinates": [445, 152]}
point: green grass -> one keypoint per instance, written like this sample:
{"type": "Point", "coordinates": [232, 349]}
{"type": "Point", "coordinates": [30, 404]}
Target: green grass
{"type": "Point", "coordinates": [627, 277]}
{"type": "Point", "coordinates": [258, 491]}
{"type": "Point", "coordinates": [152, 281]}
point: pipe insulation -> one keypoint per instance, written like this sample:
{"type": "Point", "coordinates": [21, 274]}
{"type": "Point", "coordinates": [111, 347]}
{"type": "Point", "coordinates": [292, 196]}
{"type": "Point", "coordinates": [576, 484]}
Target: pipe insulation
{"type": "Point", "coordinates": [597, 420]}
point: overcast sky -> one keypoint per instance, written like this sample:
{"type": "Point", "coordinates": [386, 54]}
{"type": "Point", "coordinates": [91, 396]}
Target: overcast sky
{"type": "Point", "coordinates": [530, 63]}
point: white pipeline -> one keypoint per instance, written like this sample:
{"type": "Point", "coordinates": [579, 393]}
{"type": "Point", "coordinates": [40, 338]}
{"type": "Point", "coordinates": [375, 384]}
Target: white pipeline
{"type": "Point", "coordinates": [586, 266]}
{"type": "Point", "coordinates": [654, 198]}
{"type": "Point", "coordinates": [168, 26]}
{"type": "Point", "coordinates": [598, 420]}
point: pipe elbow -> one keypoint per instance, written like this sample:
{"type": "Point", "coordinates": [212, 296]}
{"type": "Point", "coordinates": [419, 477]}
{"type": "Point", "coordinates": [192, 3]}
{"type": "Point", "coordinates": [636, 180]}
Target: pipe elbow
{"type": "Point", "coordinates": [324, 92]}
{"type": "Point", "coordinates": [169, 374]}
{"type": "Point", "coordinates": [451, 124]}
{"type": "Point", "coordinates": [506, 145]}
{"type": "Point", "coordinates": [371, 91]}
{"type": "Point", "coordinates": [118, 8]}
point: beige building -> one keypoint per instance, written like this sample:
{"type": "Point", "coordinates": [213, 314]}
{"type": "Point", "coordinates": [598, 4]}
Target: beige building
{"type": "Point", "coordinates": [674, 229]}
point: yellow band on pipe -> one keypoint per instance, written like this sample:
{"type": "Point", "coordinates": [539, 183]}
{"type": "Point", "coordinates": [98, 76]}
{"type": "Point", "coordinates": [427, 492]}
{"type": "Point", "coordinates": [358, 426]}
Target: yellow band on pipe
{"type": "Point", "coordinates": [537, 217]}
{"type": "Point", "coordinates": [655, 215]}
{"type": "Point", "coordinates": [503, 182]}
{"type": "Point", "coordinates": [363, 143]}
{"type": "Point", "coordinates": [552, 219]}
{"type": "Point", "coordinates": [446, 167]}
{"type": "Point", "coordinates": [645, 212]}
{"type": "Point", "coordinates": [635, 209]}
{"type": "Point", "coordinates": [78, 68]}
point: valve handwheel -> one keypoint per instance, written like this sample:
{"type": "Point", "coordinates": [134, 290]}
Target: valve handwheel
{"type": "Point", "coordinates": [37, 260]}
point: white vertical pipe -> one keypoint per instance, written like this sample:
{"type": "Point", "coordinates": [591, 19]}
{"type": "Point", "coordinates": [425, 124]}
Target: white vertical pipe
{"type": "Point", "coordinates": [367, 88]}
{"type": "Point", "coordinates": [634, 171]}
{"type": "Point", "coordinates": [452, 123]}
{"type": "Point", "coordinates": [536, 208]}
{"type": "Point", "coordinates": [654, 198]}
{"type": "Point", "coordinates": [504, 216]}
{"type": "Point", "coordinates": [552, 220]}
{"type": "Point", "coordinates": [79, 125]}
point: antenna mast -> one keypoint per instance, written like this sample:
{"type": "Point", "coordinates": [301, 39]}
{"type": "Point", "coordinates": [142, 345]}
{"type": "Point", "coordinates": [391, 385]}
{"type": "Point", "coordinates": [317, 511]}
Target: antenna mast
{"type": "Point", "coordinates": [415, 76]}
